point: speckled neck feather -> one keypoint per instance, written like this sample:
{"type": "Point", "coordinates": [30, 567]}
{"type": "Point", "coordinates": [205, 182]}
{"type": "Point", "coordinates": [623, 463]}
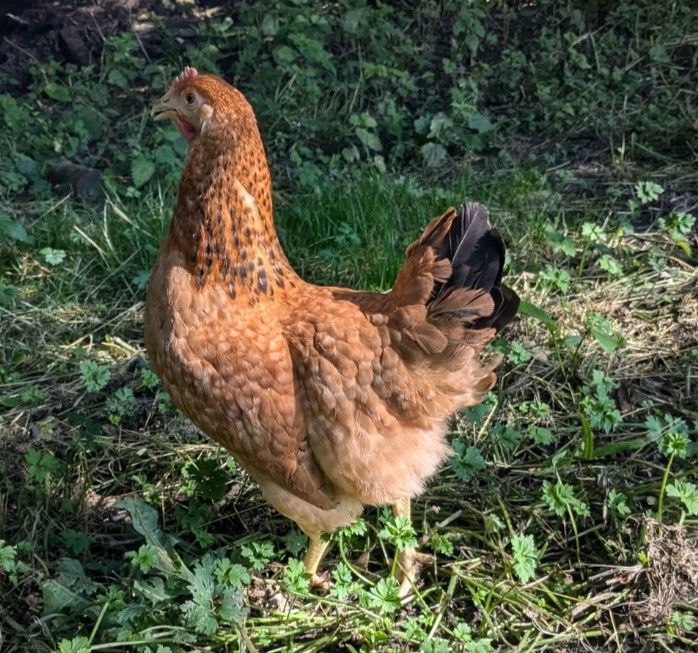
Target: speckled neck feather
{"type": "Point", "coordinates": [223, 223]}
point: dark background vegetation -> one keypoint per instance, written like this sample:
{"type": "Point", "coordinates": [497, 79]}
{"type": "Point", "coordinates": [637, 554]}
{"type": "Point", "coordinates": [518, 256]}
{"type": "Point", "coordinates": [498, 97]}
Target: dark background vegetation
{"type": "Point", "coordinates": [565, 519]}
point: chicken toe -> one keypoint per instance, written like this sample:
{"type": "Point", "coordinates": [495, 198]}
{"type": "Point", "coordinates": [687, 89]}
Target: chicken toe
{"type": "Point", "coordinates": [409, 560]}
{"type": "Point", "coordinates": [409, 563]}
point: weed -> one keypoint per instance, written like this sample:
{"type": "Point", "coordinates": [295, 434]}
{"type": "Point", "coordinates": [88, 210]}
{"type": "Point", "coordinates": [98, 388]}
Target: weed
{"type": "Point", "coordinates": [525, 556]}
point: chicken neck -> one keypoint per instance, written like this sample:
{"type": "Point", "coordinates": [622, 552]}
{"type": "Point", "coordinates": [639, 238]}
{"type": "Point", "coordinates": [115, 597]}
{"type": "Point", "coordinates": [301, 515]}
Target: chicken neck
{"type": "Point", "coordinates": [223, 222]}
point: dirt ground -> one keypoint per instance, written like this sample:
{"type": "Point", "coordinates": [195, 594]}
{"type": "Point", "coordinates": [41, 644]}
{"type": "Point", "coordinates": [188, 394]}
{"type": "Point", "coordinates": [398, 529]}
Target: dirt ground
{"type": "Point", "coordinates": [74, 32]}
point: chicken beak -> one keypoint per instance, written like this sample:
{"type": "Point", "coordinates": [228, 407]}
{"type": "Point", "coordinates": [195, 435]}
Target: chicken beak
{"type": "Point", "coordinates": [163, 109]}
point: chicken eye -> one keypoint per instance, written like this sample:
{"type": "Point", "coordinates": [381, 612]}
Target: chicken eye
{"type": "Point", "coordinates": [189, 98]}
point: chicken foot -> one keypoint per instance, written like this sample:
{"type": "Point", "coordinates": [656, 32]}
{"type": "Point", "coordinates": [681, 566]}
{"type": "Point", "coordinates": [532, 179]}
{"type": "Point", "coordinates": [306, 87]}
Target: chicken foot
{"type": "Point", "coordinates": [409, 560]}
{"type": "Point", "coordinates": [313, 555]}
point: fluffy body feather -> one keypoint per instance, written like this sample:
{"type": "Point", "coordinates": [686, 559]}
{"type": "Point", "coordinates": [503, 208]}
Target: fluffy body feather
{"type": "Point", "coordinates": [330, 398]}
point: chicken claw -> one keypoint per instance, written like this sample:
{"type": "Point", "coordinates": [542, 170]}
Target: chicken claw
{"type": "Point", "coordinates": [409, 564]}
{"type": "Point", "coordinates": [320, 582]}
{"type": "Point", "coordinates": [316, 549]}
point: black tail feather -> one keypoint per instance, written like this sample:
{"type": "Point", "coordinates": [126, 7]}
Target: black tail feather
{"type": "Point", "coordinates": [477, 254]}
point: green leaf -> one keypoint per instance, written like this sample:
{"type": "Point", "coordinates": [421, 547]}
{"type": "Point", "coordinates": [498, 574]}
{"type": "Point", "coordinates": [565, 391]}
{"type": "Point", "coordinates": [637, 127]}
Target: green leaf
{"type": "Point", "coordinates": [670, 433]}
{"type": "Point", "coordinates": [467, 462]}
{"type": "Point", "coordinates": [57, 92]}
{"type": "Point", "coordinates": [615, 448]}
{"type": "Point", "coordinates": [399, 532]}
{"type": "Point", "coordinates": [94, 375]}
{"type": "Point", "coordinates": [231, 609]}
{"type": "Point", "coordinates": [482, 645]}
{"type": "Point", "coordinates": [618, 503]}
{"type": "Point", "coordinates": [440, 123]}
{"type": "Point", "coordinates": [436, 645]}
{"type": "Point", "coordinates": [604, 333]}
{"type": "Point", "coordinates": [593, 232]}
{"type": "Point", "coordinates": [200, 618]}
{"type": "Point", "coordinates": [647, 191]}
{"type": "Point", "coordinates": [144, 519]}
{"type": "Point", "coordinates": [587, 439]}
{"type": "Point", "coordinates": [421, 124]}
{"type": "Point", "coordinates": [472, 42]}
{"type": "Point", "coordinates": [117, 78]}
{"type": "Point", "coordinates": [52, 256]}
{"type": "Point", "coordinates": [257, 553]}
{"type": "Point", "coordinates": [383, 596]}
{"type": "Point", "coordinates": [284, 54]}
{"type": "Point", "coordinates": [686, 492]}
{"type": "Point", "coordinates": [344, 584]}
{"type": "Point", "coordinates": [358, 528]}
{"type": "Point", "coordinates": [295, 541]}
{"type": "Point", "coordinates": [560, 499]}
{"type": "Point", "coordinates": [202, 584]}
{"type": "Point", "coordinates": [207, 477]}
{"type": "Point", "coordinates": [58, 597]}
{"type": "Point", "coordinates": [610, 265]}
{"type": "Point", "coordinates": [13, 113]}
{"type": "Point", "coordinates": [296, 578]}
{"type": "Point", "coordinates": [145, 558]}
{"type": "Point", "coordinates": [479, 122]}
{"type": "Point", "coordinates": [351, 20]}
{"type": "Point", "coordinates": [12, 229]}
{"type": "Point", "coordinates": [152, 589]}
{"type": "Point", "coordinates": [142, 170]}
{"type": "Point", "coordinates": [270, 25]}
{"type": "Point", "coordinates": [556, 278]}
{"type": "Point", "coordinates": [129, 614]}
{"type": "Point", "coordinates": [433, 154]}
{"type": "Point", "coordinates": [518, 354]}
{"type": "Point", "coordinates": [73, 575]}
{"type": "Point", "coordinates": [441, 545]}
{"type": "Point", "coordinates": [530, 310]}
{"type": "Point", "coordinates": [76, 645]}
{"type": "Point", "coordinates": [540, 435]}
{"type": "Point", "coordinates": [683, 621]}
{"type": "Point", "coordinates": [368, 138]}
{"type": "Point", "coordinates": [525, 557]}
{"type": "Point", "coordinates": [43, 464]}
{"type": "Point", "coordinates": [77, 541]}
{"type": "Point", "coordinates": [7, 557]}
{"type": "Point", "coordinates": [232, 574]}
{"type": "Point", "coordinates": [659, 54]}
{"type": "Point", "coordinates": [463, 632]}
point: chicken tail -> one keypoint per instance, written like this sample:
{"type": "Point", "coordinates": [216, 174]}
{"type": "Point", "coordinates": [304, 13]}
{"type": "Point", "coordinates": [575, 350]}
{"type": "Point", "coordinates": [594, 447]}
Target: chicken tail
{"type": "Point", "coordinates": [455, 269]}
{"type": "Point", "coordinates": [474, 292]}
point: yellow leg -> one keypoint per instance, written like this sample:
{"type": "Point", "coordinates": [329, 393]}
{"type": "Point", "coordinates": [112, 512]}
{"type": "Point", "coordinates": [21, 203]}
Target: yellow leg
{"type": "Point", "coordinates": [316, 549]}
{"type": "Point", "coordinates": [409, 560]}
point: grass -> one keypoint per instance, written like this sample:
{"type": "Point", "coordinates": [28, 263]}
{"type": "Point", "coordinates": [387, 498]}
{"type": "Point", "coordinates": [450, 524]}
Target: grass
{"type": "Point", "coordinates": [565, 520]}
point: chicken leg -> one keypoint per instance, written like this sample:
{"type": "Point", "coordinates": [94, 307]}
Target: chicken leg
{"type": "Point", "coordinates": [409, 560]}
{"type": "Point", "coordinates": [313, 555]}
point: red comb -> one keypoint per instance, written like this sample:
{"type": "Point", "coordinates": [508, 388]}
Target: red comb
{"type": "Point", "coordinates": [187, 74]}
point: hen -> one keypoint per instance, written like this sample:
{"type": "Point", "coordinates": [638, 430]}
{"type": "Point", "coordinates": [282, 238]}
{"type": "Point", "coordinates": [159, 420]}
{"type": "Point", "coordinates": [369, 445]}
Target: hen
{"type": "Point", "coordinates": [330, 398]}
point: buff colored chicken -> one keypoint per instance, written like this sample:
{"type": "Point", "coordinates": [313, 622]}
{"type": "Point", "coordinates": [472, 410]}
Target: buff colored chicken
{"type": "Point", "coordinates": [330, 398]}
